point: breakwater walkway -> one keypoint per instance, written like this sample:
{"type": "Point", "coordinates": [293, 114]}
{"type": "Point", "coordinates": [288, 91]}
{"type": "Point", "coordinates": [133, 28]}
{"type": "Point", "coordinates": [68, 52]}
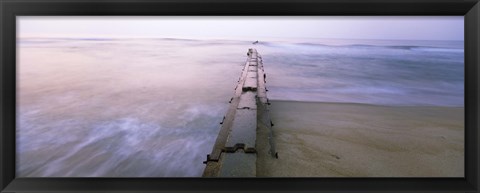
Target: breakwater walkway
{"type": "Point", "coordinates": [235, 153]}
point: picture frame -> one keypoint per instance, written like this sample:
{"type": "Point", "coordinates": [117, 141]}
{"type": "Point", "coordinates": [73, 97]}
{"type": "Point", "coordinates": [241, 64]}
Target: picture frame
{"type": "Point", "coordinates": [11, 8]}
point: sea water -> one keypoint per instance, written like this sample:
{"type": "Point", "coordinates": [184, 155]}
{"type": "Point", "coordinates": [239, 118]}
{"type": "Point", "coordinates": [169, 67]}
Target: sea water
{"type": "Point", "coordinates": [96, 107]}
{"type": "Point", "coordinates": [425, 73]}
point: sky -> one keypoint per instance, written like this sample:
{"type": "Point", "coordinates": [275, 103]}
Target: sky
{"type": "Point", "coordinates": [256, 27]}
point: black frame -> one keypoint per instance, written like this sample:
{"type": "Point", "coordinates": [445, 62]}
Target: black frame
{"type": "Point", "coordinates": [9, 9]}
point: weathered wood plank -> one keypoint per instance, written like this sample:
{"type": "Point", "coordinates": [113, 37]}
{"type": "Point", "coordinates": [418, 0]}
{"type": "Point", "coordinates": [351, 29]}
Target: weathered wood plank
{"type": "Point", "coordinates": [244, 129]}
{"type": "Point", "coordinates": [234, 151]}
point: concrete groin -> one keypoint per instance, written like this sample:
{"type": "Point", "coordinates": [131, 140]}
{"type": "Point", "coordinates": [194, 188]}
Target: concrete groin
{"type": "Point", "coordinates": [234, 153]}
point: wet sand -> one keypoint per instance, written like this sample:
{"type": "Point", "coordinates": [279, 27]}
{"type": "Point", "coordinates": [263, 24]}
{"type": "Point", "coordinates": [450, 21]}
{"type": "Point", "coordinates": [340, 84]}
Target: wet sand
{"type": "Point", "coordinates": [358, 140]}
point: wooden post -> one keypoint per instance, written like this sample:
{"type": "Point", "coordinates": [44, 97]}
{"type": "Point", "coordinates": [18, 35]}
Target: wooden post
{"type": "Point", "coordinates": [234, 152]}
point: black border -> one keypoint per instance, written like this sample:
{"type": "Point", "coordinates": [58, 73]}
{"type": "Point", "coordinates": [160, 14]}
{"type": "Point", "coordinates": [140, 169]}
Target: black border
{"type": "Point", "coordinates": [11, 8]}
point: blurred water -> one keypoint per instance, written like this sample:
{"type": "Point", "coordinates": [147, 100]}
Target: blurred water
{"type": "Point", "coordinates": [151, 107]}
{"type": "Point", "coordinates": [98, 107]}
{"type": "Point", "coordinates": [425, 73]}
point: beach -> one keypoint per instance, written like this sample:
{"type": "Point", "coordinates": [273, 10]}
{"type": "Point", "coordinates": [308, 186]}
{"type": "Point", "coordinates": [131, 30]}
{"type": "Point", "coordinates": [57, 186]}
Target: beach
{"type": "Point", "coordinates": [316, 139]}
{"type": "Point", "coordinates": [134, 107]}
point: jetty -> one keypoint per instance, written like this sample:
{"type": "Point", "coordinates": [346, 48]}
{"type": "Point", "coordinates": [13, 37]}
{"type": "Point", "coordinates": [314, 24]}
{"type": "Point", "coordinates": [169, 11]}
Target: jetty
{"type": "Point", "coordinates": [234, 153]}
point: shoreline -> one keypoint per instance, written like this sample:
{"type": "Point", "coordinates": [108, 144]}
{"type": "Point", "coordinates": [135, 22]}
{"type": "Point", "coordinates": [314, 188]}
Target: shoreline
{"type": "Point", "coordinates": [362, 104]}
{"type": "Point", "coordinates": [318, 139]}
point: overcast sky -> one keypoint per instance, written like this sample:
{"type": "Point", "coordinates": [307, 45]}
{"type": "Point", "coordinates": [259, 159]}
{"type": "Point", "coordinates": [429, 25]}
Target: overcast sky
{"type": "Point", "coordinates": [343, 27]}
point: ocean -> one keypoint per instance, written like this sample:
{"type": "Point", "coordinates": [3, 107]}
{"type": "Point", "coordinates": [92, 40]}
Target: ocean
{"type": "Point", "coordinates": [97, 107]}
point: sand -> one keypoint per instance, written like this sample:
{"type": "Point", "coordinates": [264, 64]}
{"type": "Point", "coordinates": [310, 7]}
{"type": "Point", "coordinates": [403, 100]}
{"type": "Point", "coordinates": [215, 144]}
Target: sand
{"type": "Point", "coordinates": [358, 140]}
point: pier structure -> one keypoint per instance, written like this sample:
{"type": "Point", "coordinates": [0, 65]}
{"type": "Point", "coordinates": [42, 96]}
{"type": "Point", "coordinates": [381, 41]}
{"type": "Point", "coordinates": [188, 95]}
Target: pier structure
{"type": "Point", "coordinates": [234, 153]}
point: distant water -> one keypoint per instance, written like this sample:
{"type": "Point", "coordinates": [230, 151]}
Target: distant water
{"type": "Point", "coordinates": [425, 73]}
{"type": "Point", "coordinates": [152, 107]}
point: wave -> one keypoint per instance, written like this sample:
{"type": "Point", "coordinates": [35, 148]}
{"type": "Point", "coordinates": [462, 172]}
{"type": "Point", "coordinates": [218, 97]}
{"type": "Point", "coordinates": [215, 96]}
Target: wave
{"type": "Point", "coordinates": [282, 45]}
{"type": "Point", "coordinates": [437, 49]}
{"type": "Point", "coordinates": [362, 46]}
{"type": "Point", "coordinates": [122, 147]}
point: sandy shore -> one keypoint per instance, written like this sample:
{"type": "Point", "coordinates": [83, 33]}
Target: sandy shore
{"type": "Point", "coordinates": [358, 140]}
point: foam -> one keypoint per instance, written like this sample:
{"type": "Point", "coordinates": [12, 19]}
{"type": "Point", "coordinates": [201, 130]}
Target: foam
{"type": "Point", "coordinates": [438, 49]}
